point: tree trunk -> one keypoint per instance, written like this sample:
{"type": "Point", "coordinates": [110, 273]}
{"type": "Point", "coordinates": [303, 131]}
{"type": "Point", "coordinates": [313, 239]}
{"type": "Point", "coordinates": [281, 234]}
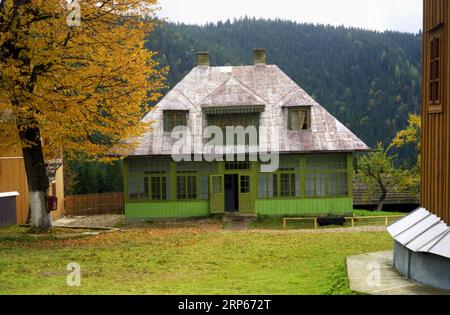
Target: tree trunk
{"type": "Point", "coordinates": [382, 199]}
{"type": "Point", "coordinates": [36, 175]}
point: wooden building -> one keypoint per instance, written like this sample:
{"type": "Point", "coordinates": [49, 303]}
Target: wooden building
{"type": "Point", "coordinates": [314, 150]}
{"type": "Point", "coordinates": [435, 109]}
{"type": "Point", "coordinates": [422, 239]}
{"type": "Point", "coordinates": [13, 178]}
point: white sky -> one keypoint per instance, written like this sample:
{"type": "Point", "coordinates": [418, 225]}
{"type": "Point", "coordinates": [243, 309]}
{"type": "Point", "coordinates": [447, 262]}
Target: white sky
{"type": "Point", "coordinates": [400, 15]}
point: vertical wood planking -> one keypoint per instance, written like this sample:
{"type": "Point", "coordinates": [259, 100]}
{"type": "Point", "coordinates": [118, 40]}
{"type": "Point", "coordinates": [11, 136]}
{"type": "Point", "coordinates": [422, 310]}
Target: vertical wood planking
{"type": "Point", "coordinates": [435, 191]}
{"type": "Point", "coordinates": [95, 204]}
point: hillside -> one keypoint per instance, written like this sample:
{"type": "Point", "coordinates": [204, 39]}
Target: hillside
{"type": "Point", "coordinates": [368, 80]}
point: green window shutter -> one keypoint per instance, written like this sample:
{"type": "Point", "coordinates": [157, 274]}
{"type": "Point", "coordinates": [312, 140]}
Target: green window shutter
{"type": "Point", "coordinates": [166, 121]}
{"type": "Point", "coordinates": [290, 119]}
{"type": "Point", "coordinates": [173, 119]}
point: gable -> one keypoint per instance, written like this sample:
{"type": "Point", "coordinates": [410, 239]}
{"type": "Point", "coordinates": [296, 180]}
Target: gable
{"type": "Point", "coordinates": [232, 93]}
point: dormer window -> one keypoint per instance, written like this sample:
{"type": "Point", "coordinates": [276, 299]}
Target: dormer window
{"type": "Point", "coordinates": [174, 118]}
{"type": "Point", "coordinates": [299, 118]}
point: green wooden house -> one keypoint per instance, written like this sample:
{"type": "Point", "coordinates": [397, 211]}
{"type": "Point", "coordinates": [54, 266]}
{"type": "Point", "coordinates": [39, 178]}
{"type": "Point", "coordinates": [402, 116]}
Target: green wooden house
{"type": "Point", "coordinates": [314, 150]}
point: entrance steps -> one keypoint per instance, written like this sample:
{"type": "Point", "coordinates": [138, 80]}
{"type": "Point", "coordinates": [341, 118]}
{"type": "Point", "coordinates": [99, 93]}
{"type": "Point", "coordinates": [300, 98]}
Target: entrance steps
{"type": "Point", "coordinates": [236, 217]}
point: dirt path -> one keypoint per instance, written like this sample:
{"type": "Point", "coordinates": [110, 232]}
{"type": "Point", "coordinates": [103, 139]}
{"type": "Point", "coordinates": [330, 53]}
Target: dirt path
{"type": "Point", "coordinates": [94, 221]}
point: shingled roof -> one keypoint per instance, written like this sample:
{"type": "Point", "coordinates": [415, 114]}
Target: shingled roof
{"type": "Point", "coordinates": [264, 87]}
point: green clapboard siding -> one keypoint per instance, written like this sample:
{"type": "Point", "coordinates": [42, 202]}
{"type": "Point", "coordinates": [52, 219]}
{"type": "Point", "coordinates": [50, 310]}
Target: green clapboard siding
{"type": "Point", "coordinates": [178, 209]}
{"type": "Point", "coordinates": [304, 207]}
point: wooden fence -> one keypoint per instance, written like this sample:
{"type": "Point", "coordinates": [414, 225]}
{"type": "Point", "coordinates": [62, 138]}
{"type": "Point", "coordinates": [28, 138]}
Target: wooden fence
{"type": "Point", "coordinates": [94, 204]}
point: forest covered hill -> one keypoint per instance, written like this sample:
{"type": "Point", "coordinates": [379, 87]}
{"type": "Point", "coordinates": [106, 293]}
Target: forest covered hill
{"type": "Point", "coordinates": [369, 80]}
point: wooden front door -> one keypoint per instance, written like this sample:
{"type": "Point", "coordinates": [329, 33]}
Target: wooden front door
{"type": "Point", "coordinates": [216, 200]}
{"type": "Point", "coordinates": [246, 200]}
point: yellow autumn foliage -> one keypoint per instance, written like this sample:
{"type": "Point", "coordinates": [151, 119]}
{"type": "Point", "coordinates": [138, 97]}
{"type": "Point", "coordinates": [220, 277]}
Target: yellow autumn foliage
{"type": "Point", "coordinates": [85, 87]}
{"type": "Point", "coordinates": [410, 135]}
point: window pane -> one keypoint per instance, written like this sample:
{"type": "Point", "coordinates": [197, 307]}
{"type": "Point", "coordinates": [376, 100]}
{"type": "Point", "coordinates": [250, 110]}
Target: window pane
{"type": "Point", "coordinates": [164, 188]}
{"type": "Point", "coordinates": [320, 185]}
{"type": "Point", "coordinates": [309, 179]}
{"type": "Point", "coordinates": [204, 189]}
{"type": "Point", "coordinates": [245, 184]}
{"type": "Point", "coordinates": [217, 184]}
{"type": "Point", "coordinates": [144, 189]}
{"type": "Point", "coordinates": [285, 184]}
{"type": "Point", "coordinates": [181, 187]}
{"type": "Point", "coordinates": [333, 184]}
{"type": "Point", "coordinates": [246, 165]}
{"type": "Point", "coordinates": [192, 187]}
{"type": "Point", "coordinates": [343, 184]}
{"type": "Point", "coordinates": [262, 186]}
{"type": "Point", "coordinates": [275, 185]}
{"type": "Point", "coordinates": [156, 188]}
{"type": "Point", "coordinates": [326, 162]}
{"type": "Point", "coordinates": [269, 180]}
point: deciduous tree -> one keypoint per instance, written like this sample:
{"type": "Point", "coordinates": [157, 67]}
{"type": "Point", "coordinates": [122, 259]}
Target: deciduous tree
{"type": "Point", "coordinates": [80, 88]}
{"type": "Point", "coordinates": [410, 136]}
{"type": "Point", "coordinates": [376, 170]}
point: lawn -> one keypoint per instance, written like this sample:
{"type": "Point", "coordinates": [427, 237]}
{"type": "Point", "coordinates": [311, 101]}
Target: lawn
{"type": "Point", "coordinates": [196, 257]}
{"type": "Point", "coordinates": [276, 223]}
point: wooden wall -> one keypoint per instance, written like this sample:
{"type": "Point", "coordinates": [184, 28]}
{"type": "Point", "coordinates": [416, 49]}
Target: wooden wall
{"type": "Point", "coordinates": [435, 194]}
{"type": "Point", "coordinates": [13, 178]}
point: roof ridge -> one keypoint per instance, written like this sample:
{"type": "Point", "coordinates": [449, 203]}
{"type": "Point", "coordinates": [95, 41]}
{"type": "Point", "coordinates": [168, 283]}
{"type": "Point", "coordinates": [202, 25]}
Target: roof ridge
{"type": "Point", "coordinates": [289, 95]}
{"type": "Point", "coordinates": [181, 92]}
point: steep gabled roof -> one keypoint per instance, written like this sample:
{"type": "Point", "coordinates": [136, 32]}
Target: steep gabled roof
{"type": "Point", "coordinates": [246, 86]}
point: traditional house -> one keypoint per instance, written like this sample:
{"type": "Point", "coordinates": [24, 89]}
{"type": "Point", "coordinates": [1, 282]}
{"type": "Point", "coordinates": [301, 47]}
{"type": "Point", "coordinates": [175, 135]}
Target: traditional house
{"type": "Point", "coordinates": [311, 150]}
{"type": "Point", "coordinates": [422, 239]}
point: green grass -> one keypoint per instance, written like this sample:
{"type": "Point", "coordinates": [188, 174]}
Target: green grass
{"type": "Point", "coordinates": [186, 258]}
{"type": "Point", "coordinates": [276, 223]}
{"type": "Point", "coordinates": [368, 213]}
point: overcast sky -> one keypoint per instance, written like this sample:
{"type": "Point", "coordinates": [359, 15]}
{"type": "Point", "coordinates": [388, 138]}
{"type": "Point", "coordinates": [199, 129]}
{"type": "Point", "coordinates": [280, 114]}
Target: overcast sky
{"type": "Point", "coordinates": [400, 15]}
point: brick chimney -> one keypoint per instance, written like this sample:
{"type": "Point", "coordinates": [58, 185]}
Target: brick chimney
{"type": "Point", "coordinates": [259, 56]}
{"type": "Point", "coordinates": [203, 59]}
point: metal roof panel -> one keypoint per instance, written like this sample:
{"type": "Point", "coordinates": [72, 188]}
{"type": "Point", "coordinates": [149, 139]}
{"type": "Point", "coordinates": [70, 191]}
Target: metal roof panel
{"type": "Point", "coordinates": [428, 238]}
{"type": "Point", "coordinates": [408, 221]}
